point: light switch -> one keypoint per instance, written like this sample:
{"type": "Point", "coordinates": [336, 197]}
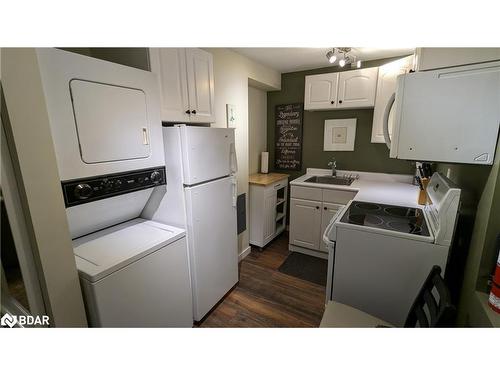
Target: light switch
{"type": "Point", "coordinates": [339, 135]}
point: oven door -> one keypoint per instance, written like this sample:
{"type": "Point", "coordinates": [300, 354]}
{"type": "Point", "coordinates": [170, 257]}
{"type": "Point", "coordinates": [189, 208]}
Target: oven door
{"type": "Point", "coordinates": [329, 238]}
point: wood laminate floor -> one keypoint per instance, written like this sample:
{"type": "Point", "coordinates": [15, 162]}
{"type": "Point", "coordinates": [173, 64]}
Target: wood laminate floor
{"type": "Point", "coordinates": [266, 297]}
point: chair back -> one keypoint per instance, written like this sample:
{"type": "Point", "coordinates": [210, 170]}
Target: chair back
{"type": "Point", "coordinates": [432, 307]}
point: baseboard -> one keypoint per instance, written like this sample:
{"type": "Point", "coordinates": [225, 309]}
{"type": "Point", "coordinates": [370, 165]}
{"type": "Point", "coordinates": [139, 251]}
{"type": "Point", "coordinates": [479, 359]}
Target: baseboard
{"type": "Point", "coordinates": [244, 253]}
{"type": "Point", "coordinates": [303, 250]}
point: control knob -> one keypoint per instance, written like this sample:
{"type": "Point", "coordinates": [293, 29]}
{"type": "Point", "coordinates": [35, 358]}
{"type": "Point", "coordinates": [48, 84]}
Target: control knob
{"type": "Point", "coordinates": [155, 177]}
{"type": "Point", "coordinates": [83, 191]}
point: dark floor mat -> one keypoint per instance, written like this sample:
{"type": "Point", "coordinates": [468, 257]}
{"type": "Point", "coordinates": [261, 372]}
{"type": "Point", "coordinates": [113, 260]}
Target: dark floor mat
{"type": "Point", "coordinates": [305, 267]}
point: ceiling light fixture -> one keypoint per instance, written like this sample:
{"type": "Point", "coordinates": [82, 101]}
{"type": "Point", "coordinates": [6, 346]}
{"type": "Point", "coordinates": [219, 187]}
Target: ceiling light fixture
{"type": "Point", "coordinates": [346, 57]}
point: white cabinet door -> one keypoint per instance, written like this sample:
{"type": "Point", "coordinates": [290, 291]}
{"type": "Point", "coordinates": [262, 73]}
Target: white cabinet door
{"type": "Point", "coordinates": [200, 78]}
{"type": "Point", "coordinates": [321, 91]}
{"type": "Point", "coordinates": [357, 88]}
{"type": "Point", "coordinates": [269, 215]}
{"type": "Point", "coordinates": [328, 211]}
{"type": "Point", "coordinates": [305, 223]}
{"type": "Point", "coordinates": [386, 86]}
{"type": "Point", "coordinates": [169, 64]}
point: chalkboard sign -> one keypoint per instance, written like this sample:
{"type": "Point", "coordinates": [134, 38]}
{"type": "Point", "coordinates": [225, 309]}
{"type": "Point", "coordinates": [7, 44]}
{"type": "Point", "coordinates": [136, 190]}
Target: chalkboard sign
{"type": "Point", "coordinates": [288, 136]}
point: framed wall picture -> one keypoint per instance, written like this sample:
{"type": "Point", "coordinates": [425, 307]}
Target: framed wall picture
{"type": "Point", "coordinates": [339, 135]}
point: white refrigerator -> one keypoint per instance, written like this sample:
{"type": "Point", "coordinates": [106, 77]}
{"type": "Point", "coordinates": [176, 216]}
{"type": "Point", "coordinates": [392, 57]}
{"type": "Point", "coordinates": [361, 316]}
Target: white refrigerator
{"type": "Point", "coordinates": [201, 166]}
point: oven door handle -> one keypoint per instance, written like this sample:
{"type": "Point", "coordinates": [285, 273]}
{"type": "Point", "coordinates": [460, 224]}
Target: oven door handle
{"type": "Point", "coordinates": [328, 228]}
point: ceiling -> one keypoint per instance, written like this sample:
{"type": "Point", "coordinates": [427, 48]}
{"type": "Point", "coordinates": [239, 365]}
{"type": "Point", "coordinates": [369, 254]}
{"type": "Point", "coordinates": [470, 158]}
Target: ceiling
{"type": "Point", "coordinates": [294, 59]}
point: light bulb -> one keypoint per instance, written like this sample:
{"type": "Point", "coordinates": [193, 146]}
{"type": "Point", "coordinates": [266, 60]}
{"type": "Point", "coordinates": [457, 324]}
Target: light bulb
{"type": "Point", "coordinates": [341, 63]}
{"type": "Point", "coordinates": [330, 55]}
{"type": "Point", "coordinates": [358, 64]}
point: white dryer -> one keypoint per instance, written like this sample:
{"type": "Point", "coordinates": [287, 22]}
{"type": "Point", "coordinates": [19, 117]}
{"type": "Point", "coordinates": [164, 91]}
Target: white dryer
{"type": "Point", "coordinates": [105, 122]}
{"type": "Point", "coordinates": [135, 275]}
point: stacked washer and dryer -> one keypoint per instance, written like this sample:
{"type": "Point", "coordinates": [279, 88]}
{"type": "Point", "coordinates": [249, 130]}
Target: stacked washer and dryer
{"type": "Point", "coordinates": [107, 133]}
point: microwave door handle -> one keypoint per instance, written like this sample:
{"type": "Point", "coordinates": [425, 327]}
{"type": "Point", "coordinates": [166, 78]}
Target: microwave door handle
{"type": "Point", "coordinates": [385, 121]}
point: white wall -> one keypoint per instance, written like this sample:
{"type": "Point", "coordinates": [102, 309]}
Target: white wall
{"type": "Point", "coordinates": [257, 127]}
{"type": "Point", "coordinates": [40, 188]}
{"type": "Point", "coordinates": [232, 73]}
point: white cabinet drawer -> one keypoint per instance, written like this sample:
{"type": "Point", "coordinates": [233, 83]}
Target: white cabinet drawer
{"type": "Point", "coordinates": [277, 185]}
{"type": "Point", "coordinates": [313, 194]}
{"type": "Point", "coordinates": [337, 196]}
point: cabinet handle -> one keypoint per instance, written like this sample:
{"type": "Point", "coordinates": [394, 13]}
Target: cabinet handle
{"type": "Point", "coordinates": [325, 208]}
{"type": "Point", "coordinates": [333, 101]}
{"type": "Point", "coordinates": [317, 207]}
{"type": "Point", "coordinates": [188, 112]}
{"type": "Point", "coordinates": [193, 111]}
{"type": "Point", "coordinates": [340, 101]}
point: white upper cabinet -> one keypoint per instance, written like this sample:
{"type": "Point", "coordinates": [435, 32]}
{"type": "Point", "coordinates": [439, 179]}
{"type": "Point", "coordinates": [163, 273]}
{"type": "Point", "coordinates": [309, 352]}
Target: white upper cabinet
{"type": "Point", "coordinates": [321, 91]}
{"type": "Point", "coordinates": [347, 89]}
{"type": "Point", "coordinates": [438, 58]}
{"type": "Point", "coordinates": [186, 83]}
{"type": "Point", "coordinates": [386, 86]}
{"type": "Point", "coordinates": [200, 76]}
{"type": "Point", "coordinates": [357, 88]}
{"type": "Point", "coordinates": [170, 66]}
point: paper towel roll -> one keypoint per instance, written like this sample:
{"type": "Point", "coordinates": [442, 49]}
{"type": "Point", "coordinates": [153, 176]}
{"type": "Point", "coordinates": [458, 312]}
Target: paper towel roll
{"type": "Point", "coordinates": [264, 162]}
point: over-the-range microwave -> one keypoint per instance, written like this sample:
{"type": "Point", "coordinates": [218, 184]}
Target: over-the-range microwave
{"type": "Point", "coordinates": [448, 115]}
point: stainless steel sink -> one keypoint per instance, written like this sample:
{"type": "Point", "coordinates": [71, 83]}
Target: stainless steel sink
{"type": "Point", "coordinates": [331, 180]}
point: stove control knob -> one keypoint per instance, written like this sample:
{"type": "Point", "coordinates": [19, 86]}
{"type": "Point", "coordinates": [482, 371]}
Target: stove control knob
{"type": "Point", "coordinates": [108, 184]}
{"type": "Point", "coordinates": [155, 177]}
{"type": "Point", "coordinates": [83, 191]}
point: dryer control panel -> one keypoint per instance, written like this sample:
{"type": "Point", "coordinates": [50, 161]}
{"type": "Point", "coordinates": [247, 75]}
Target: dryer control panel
{"type": "Point", "coordinates": [100, 187]}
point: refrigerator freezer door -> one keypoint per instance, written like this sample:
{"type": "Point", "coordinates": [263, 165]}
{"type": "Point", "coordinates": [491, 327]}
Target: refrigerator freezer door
{"type": "Point", "coordinates": [213, 247]}
{"type": "Point", "coordinates": [208, 153]}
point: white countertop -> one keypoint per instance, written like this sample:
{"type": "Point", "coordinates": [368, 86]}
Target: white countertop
{"type": "Point", "coordinates": [394, 189]}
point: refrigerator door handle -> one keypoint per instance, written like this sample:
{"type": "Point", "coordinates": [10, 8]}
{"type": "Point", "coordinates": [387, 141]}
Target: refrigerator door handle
{"type": "Point", "coordinates": [233, 161]}
{"type": "Point", "coordinates": [234, 186]}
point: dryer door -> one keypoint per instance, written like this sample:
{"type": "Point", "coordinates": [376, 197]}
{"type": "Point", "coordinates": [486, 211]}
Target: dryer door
{"type": "Point", "coordinates": [111, 121]}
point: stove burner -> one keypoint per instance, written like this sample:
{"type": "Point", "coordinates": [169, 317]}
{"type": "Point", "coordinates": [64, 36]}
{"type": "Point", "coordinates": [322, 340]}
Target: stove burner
{"type": "Point", "coordinates": [367, 206]}
{"type": "Point", "coordinates": [400, 211]}
{"type": "Point", "coordinates": [406, 227]}
{"type": "Point", "coordinates": [362, 219]}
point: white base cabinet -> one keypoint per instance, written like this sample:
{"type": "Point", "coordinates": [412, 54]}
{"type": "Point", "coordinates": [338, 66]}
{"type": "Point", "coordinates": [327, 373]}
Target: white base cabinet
{"type": "Point", "coordinates": [186, 82]}
{"type": "Point", "coordinates": [311, 210]}
{"type": "Point", "coordinates": [267, 206]}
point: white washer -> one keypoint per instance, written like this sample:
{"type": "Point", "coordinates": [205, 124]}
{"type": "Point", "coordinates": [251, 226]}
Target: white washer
{"type": "Point", "coordinates": [135, 275]}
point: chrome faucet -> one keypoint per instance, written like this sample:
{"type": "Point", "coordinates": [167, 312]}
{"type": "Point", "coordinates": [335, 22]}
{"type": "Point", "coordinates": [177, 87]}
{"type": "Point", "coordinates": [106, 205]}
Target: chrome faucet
{"type": "Point", "coordinates": [333, 164]}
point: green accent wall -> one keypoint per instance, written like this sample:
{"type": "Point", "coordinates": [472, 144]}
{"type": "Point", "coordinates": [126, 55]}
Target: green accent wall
{"type": "Point", "coordinates": [367, 156]}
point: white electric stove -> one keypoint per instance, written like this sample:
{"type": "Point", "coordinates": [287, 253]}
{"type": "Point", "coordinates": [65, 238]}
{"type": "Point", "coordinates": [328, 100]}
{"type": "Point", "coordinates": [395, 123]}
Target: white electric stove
{"type": "Point", "coordinates": [380, 255]}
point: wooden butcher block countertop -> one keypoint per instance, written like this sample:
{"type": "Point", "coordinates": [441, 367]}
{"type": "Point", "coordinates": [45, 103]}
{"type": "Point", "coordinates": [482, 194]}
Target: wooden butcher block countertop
{"type": "Point", "coordinates": [265, 179]}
